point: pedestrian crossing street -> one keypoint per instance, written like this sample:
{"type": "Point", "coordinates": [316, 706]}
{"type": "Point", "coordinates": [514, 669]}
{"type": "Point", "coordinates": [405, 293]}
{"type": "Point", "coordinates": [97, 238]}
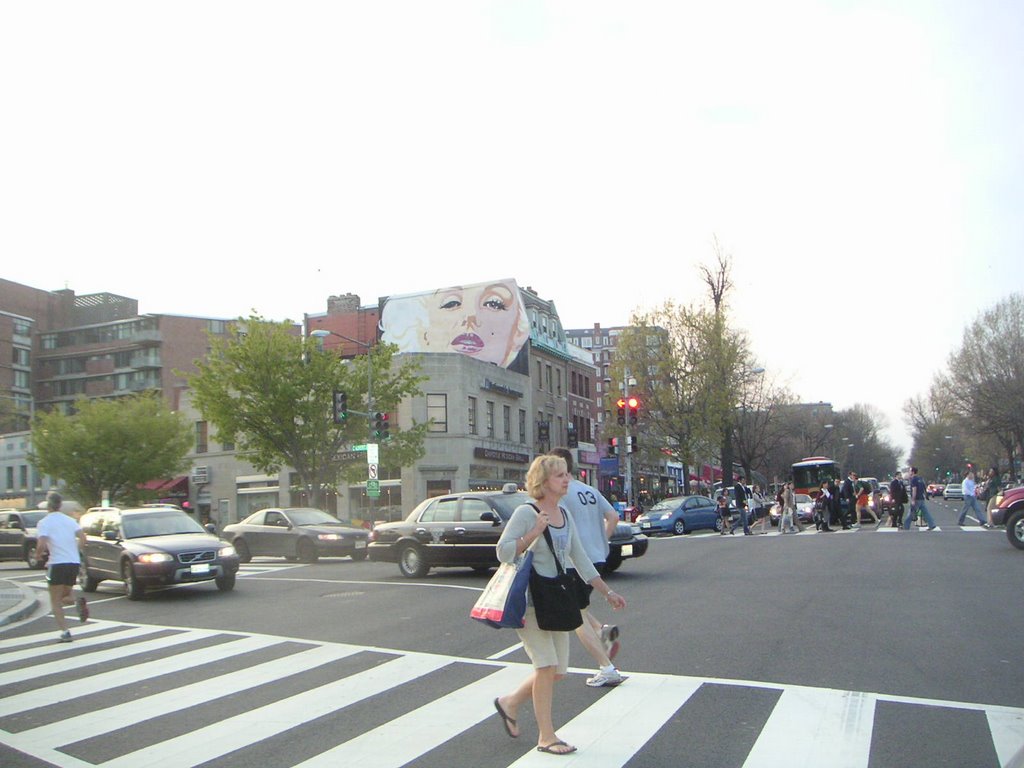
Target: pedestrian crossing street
{"type": "Point", "coordinates": [157, 696]}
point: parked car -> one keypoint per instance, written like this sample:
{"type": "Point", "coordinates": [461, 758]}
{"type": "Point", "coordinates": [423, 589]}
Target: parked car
{"type": "Point", "coordinates": [152, 547]}
{"type": "Point", "coordinates": [953, 491]}
{"type": "Point", "coordinates": [18, 535]}
{"type": "Point", "coordinates": [1009, 511]}
{"type": "Point", "coordinates": [933, 489]}
{"type": "Point", "coordinates": [296, 533]}
{"type": "Point", "coordinates": [462, 529]}
{"type": "Point", "coordinates": [679, 515]}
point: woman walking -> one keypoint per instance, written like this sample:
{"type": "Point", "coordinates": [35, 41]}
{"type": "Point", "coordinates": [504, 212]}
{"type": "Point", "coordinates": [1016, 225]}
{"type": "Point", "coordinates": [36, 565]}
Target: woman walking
{"type": "Point", "coordinates": [546, 481]}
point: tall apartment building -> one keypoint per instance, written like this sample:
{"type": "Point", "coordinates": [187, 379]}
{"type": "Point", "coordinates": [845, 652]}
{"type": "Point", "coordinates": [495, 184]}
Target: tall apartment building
{"type": "Point", "coordinates": [63, 347]}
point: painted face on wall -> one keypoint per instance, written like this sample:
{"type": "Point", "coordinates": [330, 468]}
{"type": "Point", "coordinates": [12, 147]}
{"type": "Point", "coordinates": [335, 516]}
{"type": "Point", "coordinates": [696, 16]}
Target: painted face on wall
{"type": "Point", "coordinates": [476, 320]}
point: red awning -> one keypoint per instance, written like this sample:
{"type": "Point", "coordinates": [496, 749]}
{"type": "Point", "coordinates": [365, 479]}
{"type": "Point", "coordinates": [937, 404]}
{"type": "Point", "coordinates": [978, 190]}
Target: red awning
{"type": "Point", "coordinates": [174, 485]}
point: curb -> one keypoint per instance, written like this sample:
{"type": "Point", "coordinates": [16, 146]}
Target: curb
{"type": "Point", "coordinates": [22, 599]}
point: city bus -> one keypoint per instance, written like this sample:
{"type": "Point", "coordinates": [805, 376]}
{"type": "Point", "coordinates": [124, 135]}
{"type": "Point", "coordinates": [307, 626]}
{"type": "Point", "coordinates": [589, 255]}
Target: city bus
{"type": "Point", "coordinates": [810, 473]}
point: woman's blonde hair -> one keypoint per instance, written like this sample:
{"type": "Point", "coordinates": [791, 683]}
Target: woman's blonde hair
{"type": "Point", "coordinates": [540, 470]}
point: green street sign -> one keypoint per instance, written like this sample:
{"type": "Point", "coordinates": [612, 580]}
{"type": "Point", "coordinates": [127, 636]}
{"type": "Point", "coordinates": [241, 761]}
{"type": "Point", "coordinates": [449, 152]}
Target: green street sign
{"type": "Point", "coordinates": [373, 487]}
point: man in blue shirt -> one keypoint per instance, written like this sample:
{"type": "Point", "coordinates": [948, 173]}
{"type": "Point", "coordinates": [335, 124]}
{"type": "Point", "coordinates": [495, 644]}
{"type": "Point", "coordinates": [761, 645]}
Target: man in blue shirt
{"type": "Point", "coordinates": [741, 507]}
{"type": "Point", "coordinates": [595, 520]}
{"type": "Point", "coordinates": [970, 501]}
{"type": "Point", "coordinates": [917, 489]}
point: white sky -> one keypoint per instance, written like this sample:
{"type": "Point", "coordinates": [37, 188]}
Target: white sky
{"type": "Point", "coordinates": [861, 161]}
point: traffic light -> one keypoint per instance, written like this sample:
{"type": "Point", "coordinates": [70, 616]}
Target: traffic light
{"type": "Point", "coordinates": [622, 412]}
{"type": "Point", "coordinates": [381, 426]}
{"type": "Point", "coordinates": [340, 406]}
{"type": "Point", "coordinates": [583, 475]}
{"type": "Point", "coordinates": [632, 444]}
{"type": "Point", "coordinates": [634, 406]}
{"type": "Point", "coordinates": [613, 446]}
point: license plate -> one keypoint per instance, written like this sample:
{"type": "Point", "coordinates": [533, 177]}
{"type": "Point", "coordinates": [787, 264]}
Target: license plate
{"type": "Point", "coordinates": [627, 550]}
{"type": "Point", "coordinates": [360, 543]}
{"type": "Point", "coordinates": [200, 568]}
{"type": "Point", "coordinates": [645, 525]}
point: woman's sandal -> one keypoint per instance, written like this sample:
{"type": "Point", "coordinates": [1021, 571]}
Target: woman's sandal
{"type": "Point", "coordinates": [549, 749]}
{"type": "Point", "coordinates": [507, 721]}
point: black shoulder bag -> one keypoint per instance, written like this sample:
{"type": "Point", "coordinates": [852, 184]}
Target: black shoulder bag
{"type": "Point", "coordinates": [554, 598]}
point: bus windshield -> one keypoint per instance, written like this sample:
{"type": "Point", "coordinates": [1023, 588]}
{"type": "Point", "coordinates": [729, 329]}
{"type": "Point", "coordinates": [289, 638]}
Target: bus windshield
{"type": "Point", "coordinates": [810, 473]}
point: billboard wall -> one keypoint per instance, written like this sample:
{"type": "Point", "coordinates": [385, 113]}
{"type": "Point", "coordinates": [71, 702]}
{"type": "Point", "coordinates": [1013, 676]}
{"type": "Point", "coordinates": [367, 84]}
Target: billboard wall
{"type": "Point", "coordinates": [486, 321]}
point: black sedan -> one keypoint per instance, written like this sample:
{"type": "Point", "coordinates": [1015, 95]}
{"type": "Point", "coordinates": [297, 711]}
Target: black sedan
{"type": "Point", "coordinates": [152, 547]}
{"type": "Point", "coordinates": [462, 529]}
{"type": "Point", "coordinates": [296, 533]}
{"type": "Point", "coordinates": [18, 535]}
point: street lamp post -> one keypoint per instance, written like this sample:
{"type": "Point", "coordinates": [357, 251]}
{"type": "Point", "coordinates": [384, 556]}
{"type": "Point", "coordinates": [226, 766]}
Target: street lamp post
{"type": "Point", "coordinates": [321, 333]}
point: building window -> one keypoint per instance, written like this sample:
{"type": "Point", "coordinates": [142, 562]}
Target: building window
{"type": "Point", "coordinates": [490, 419]}
{"type": "Point", "coordinates": [540, 378]}
{"type": "Point", "coordinates": [202, 444]}
{"type": "Point", "coordinates": [522, 427]}
{"type": "Point", "coordinates": [472, 415]}
{"type": "Point", "coordinates": [506, 414]}
{"type": "Point", "coordinates": [437, 413]}
{"type": "Point", "coordinates": [549, 381]}
{"type": "Point", "coordinates": [558, 381]}
{"type": "Point", "coordinates": [10, 478]}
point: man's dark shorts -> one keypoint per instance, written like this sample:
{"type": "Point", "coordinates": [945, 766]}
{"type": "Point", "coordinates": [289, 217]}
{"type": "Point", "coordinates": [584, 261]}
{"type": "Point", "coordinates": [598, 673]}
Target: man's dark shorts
{"type": "Point", "coordinates": [64, 574]}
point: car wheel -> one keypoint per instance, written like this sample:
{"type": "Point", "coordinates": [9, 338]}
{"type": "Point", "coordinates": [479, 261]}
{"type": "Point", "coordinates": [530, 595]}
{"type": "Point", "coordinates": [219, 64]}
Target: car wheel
{"type": "Point", "coordinates": [1015, 529]}
{"type": "Point", "coordinates": [86, 582]}
{"type": "Point", "coordinates": [31, 559]}
{"type": "Point", "coordinates": [359, 556]}
{"type": "Point", "coordinates": [132, 587]}
{"type": "Point", "coordinates": [306, 551]}
{"type": "Point", "coordinates": [226, 583]}
{"type": "Point", "coordinates": [718, 524]}
{"type": "Point", "coordinates": [244, 555]}
{"type": "Point", "coordinates": [411, 562]}
{"type": "Point", "coordinates": [679, 528]}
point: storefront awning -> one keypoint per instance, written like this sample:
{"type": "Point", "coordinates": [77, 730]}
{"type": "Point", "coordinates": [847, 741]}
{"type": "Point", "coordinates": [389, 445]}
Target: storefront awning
{"type": "Point", "coordinates": [165, 487]}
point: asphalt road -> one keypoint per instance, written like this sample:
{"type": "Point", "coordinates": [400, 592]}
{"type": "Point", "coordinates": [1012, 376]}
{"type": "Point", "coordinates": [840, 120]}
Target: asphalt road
{"type": "Point", "coordinates": [907, 616]}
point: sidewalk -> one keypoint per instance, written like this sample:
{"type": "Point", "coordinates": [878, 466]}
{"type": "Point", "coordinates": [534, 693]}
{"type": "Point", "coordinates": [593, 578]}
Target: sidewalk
{"type": "Point", "coordinates": [16, 601]}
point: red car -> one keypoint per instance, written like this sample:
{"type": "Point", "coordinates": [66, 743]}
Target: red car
{"type": "Point", "coordinates": [934, 489]}
{"type": "Point", "coordinates": [1009, 511]}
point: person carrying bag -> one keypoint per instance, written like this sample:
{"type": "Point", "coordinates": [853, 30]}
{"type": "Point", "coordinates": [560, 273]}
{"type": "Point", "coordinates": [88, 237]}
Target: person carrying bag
{"type": "Point", "coordinates": [546, 481]}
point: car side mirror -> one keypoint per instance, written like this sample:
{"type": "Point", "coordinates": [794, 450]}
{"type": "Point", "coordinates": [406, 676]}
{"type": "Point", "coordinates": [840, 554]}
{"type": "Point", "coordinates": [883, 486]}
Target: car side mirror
{"type": "Point", "coordinates": [110, 535]}
{"type": "Point", "coordinates": [495, 520]}
{"type": "Point", "coordinates": [211, 528]}
{"type": "Point", "coordinates": [15, 525]}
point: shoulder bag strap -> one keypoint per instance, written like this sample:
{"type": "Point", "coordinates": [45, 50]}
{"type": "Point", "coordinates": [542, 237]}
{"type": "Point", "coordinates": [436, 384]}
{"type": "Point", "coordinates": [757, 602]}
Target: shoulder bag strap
{"type": "Point", "coordinates": [551, 544]}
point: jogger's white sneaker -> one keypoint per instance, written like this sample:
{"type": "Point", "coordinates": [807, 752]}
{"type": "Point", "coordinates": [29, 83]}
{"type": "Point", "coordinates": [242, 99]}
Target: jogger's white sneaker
{"type": "Point", "coordinates": [606, 679]}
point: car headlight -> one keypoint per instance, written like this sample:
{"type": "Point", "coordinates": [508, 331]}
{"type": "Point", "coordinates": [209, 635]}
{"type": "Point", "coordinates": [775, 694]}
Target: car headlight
{"type": "Point", "coordinates": [155, 557]}
{"type": "Point", "coordinates": [228, 551]}
{"type": "Point", "coordinates": [999, 499]}
{"type": "Point", "coordinates": [328, 536]}
{"type": "Point", "coordinates": [665, 516]}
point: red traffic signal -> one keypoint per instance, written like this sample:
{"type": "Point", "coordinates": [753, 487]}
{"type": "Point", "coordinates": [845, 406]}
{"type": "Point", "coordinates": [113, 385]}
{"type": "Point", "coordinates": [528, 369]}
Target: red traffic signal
{"type": "Point", "coordinates": [634, 407]}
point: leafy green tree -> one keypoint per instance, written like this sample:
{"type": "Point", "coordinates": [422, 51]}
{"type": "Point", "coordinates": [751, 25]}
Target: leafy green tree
{"type": "Point", "coordinates": [986, 375]}
{"type": "Point", "coordinates": [112, 446]}
{"type": "Point", "coordinates": [270, 391]}
{"type": "Point", "coordinates": [687, 362]}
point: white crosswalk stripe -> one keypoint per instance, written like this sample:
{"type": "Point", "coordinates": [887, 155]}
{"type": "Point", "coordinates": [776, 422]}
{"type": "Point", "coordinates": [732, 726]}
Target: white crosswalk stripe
{"type": "Point", "coordinates": [611, 728]}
